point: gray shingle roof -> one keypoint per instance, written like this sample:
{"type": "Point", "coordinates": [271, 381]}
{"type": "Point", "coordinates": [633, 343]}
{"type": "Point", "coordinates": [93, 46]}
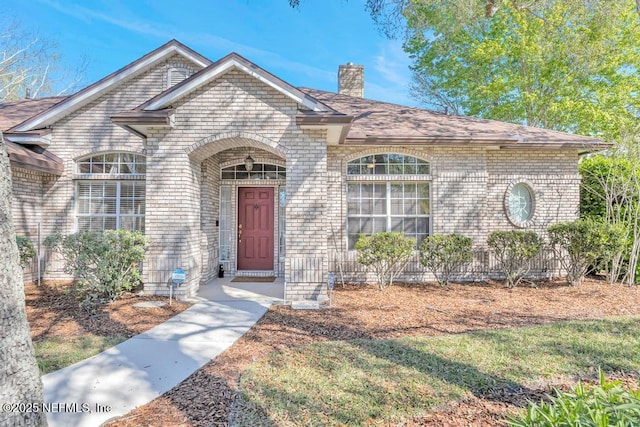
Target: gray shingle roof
{"type": "Point", "coordinates": [375, 119]}
{"type": "Point", "coordinates": [15, 112]}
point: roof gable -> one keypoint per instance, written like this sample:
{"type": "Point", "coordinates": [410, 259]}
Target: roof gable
{"type": "Point", "coordinates": [93, 91]}
{"type": "Point", "coordinates": [218, 68]}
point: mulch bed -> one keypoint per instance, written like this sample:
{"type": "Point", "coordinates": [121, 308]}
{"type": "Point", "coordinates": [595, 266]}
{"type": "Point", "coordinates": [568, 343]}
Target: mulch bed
{"type": "Point", "coordinates": [53, 312]}
{"type": "Point", "coordinates": [205, 398]}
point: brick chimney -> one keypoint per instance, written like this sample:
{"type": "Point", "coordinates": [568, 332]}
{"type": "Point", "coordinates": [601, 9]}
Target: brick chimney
{"type": "Point", "coordinates": [351, 80]}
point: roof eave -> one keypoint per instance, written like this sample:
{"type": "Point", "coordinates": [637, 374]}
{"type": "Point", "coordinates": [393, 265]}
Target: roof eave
{"type": "Point", "coordinates": [146, 118]}
{"type": "Point", "coordinates": [24, 158]}
{"type": "Point", "coordinates": [40, 138]}
{"type": "Point", "coordinates": [495, 141]}
{"type": "Point", "coordinates": [322, 119]}
{"type": "Point", "coordinates": [137, 122]}
{"type": "Point", "coordinates": [337, 125]}
{"type": "Point", "coordinates": [432, 140]}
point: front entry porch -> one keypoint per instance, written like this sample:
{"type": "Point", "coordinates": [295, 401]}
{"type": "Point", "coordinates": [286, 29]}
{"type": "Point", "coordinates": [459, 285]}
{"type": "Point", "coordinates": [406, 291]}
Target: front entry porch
{"type": "Point", "coordinates": [223, 289]}
{"type": "Point", "coordinates": [249, 212]}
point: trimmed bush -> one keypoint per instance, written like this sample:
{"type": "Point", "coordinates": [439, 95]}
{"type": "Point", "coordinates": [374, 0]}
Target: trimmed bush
{"type": "Point", "coordinates": [26, 251]}
{"type": "Point", "coordinates": [514, 251]}
{"type": "Point", "coordinates": [608, 404]}
{"type": "Point", "coordinates": [444, 254]}
{"type": "Point", "coordinates": [579, 245]}
{"type": "Point", "coordinates": [104, 263]}
{"type": "Point", "coordinates": [386, 253]}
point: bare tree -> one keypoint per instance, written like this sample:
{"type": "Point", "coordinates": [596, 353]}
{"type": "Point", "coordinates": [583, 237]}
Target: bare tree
{"type": "Point", "coordinates": [29, 65]}
{"type": "Point", "coordinates": [21, 387]}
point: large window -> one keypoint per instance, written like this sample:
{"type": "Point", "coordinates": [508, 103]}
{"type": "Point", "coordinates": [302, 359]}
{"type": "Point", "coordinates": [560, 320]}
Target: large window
{"type": "Point", "coordinates": [388, 203]}
{"type": "Point", "coordinates": [110, 192]}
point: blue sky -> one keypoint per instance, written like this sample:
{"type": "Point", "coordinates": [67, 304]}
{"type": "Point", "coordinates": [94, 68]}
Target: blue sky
{"type": "Point", "coordinates": [303, 46]}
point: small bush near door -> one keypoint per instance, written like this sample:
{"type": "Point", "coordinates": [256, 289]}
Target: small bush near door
{"type": "Point", "coordinates": [445, 254]}
{"type": "Point", "coordinates": [104, 263]}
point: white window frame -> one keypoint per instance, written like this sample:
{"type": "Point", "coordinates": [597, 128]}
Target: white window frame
{"type": "Point", "coordinates": [118, 215]}
{"type": "Point", "coordinates": [258, 172]}
{"type": "Point", "coordinates": [372, 175]}
{"type": "Point", "coordinates": [116, 177]}
{"type": "Point", "coordinates": [507, 206]}
{"type": "Point", "coordinates": [388, 216]}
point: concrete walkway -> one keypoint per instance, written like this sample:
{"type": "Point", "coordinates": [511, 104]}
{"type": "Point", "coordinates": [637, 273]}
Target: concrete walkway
{"type": "Point", "coordinates": [142, 368]}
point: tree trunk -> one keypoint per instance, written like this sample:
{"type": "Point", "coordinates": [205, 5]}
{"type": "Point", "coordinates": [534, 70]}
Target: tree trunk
{"type": "Point", "coordinates": [20, 384]}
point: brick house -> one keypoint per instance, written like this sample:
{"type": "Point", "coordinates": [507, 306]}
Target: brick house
{"type": "Point", "coordinates": [224, 163]}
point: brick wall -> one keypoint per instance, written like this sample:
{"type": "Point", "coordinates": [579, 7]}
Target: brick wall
{"type": "Point", "coordinates": [89, 130]}
{"type": "Point", "coordinates": [468, 189]}
{"type": "Point", "coordinates": [26, 209]}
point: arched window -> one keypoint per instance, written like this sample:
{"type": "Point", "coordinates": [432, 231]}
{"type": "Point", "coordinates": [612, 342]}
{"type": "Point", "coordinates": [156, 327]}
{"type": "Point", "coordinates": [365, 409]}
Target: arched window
{"type": "Point", "coordinates": [388, 192]}
{"type": "Point", "coordinates": [110, 192]}
{"type": "Point", "coordinates": [258, 171]}
{"type": "Point", "coordinates": [388, 164]}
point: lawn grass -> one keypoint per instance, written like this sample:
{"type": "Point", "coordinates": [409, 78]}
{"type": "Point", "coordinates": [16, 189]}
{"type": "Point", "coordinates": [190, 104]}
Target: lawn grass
{"type": "Point", "coordinates": [364, 382]}
{"type": "Point", "coordinates": [58, 352]}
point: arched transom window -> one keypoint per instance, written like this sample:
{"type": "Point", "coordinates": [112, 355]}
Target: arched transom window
{"type": "Point", "coordinates": [388, 192]}
{"type": "Point", "coordinates": [110, 192]}
{"type": "Point", "coordinates": [258, 171]}
{"type": "Point", "coordinates": [388, 164]}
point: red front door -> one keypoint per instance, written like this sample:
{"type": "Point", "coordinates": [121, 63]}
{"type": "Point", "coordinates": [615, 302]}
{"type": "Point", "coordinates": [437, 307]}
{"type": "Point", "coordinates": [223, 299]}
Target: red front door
{"type": "Point", "coordinates": [255, 228]}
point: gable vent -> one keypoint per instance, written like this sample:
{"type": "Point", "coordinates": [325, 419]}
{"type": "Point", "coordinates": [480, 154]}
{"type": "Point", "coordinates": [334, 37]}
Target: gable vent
{"type": "Point", "coordinates": [176, 75]}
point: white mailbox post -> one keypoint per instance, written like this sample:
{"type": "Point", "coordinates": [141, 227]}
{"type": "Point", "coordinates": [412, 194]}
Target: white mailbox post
{"type": "Point", "coordinates": [177, 278]}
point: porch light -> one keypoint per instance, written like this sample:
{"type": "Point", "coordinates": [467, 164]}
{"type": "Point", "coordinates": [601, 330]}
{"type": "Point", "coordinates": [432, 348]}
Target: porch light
{"type": "Point", "coordinates": [248, 163]}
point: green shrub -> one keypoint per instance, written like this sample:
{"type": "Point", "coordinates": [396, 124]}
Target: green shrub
{"type": "Point", "coordinates": [605, 191]}
{"type": "Point", "coordinates": [514, 251]}
{"type": "Point", "coordinates": [609, 193]}
{"type": "Point", "coordinates": [387, 253]}
{"type": "Point", "coordinates": [104, 263]}
{"type": "Point", "coordinates": [26, 251]}
{"type": "Point", "coordinates": [579, 245]}
{"type": "Point", "coordinates": [443, 254]}
{"type": "Point", "coordinates": [608, 404]}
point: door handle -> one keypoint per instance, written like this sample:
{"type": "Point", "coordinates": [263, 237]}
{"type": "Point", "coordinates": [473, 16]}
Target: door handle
{"type": "Point", "coordinates": [240, 233]}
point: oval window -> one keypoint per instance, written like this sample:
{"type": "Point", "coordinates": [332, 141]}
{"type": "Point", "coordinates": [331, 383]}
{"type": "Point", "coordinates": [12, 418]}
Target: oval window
{"type": "Point", "coordinates": [520, 203]}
